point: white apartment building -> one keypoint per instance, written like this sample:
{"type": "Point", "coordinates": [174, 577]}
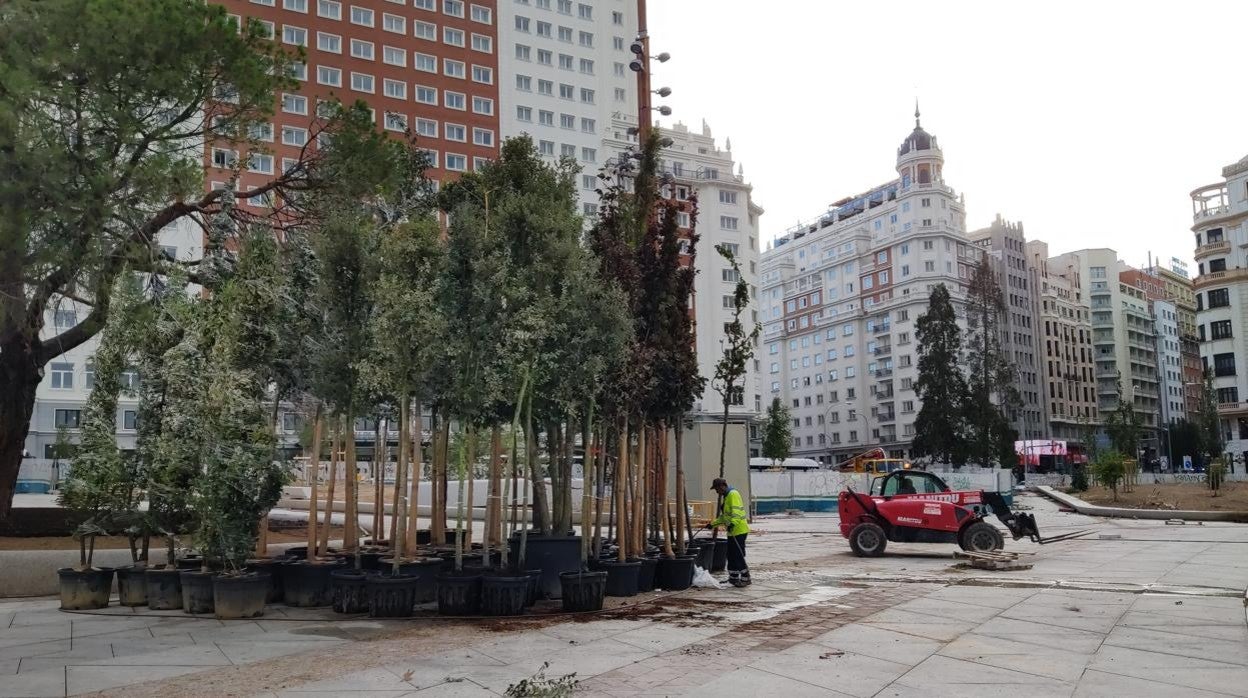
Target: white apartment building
{"type": "Point", "coordinates": [1123, 340]}
{"type": "Point", "coordinates": [840, 297]}
{"type": "Point", "coordinates": [1169, 361]}
{"type": "Point", "coordinates": [563, 75]}
{"type": "Point", "coordinates": [1220, 213]}
{"type": "Point", "coordinates": [727, 215]}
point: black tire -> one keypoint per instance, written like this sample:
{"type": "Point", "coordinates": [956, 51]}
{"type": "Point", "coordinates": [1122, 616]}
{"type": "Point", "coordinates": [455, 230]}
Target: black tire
{"type": "Point", "coordinates": [981, 537]}
{"type": "Point", "coordinates": [868, 540]}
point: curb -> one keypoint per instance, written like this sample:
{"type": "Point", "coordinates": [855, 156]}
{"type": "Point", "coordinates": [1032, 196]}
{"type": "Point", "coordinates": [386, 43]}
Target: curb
{"type": "Point", "coordinates": [1126, 513]}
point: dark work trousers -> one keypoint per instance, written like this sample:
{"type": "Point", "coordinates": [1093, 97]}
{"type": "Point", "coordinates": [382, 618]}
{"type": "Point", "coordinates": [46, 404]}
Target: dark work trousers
{"type": "Point", "coordinates": [737, 568]}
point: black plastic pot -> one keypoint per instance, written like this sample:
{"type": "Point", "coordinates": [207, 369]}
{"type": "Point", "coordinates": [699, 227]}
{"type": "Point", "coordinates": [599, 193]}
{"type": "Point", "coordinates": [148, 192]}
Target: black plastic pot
{"type": "Point", "coordinates": [674, 574]}
{"type": "Point", "coordinates": [720, 561]}
{"type": "Point", "coordinates": [86, 589]}
{"type": "Point", "coordinates": [622, 577]}
{"type": "Point", "coordinates": [390, 596]}
{"type": "Point", "coordinates": [240, 596]}
{"type": "Point", "coordinates": [459, 594]}
{"type": "Point", "coordinates": [190, 562]}
{"type": "Point", "coordinates": [132, 585]}
{"type": "Point", "coordinates": [645, 576]}
{"type": "Point", "coordinates": [348, 592]}
{"type": "Point", "coordinates": [553, 555]}
{"type": "Point", "coordinates": [598, 565]}
{"type": "Point", "coordinates": [197, 594]}
{"type": "Point", "coordinates": [504, 595]}
{"type": "Point", "coordinates": [371, 559]}
{"type": "Point", "coordinates": [705, 556]}
{"type": "Point", "coordinates": [583, 591]}
{"type": "Point", "coordinates": [426, 571]}
{"type": "Point", "coordinates": [164, 588]}
{"type": "Point", "coordinates": [271, 566]}
{"type": "Point", "coordinates": [535, 586]}
{"type": "Point", "coordinates": [299, 552]}
{"type": "Point", "coordinates": [423, 536]}
{"type": "Point", "coordinates": [376, 543]}
{"type": "Point", "coordinates": [306, 584]}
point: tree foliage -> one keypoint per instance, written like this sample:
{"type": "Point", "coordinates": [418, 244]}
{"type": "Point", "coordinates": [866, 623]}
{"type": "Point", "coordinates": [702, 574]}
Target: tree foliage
{"type": "Point", "coordinates": [1110, 469]}
{"type": "Point", "coordinates": [777, 432]}
{"type": "Point", "coordinates": [738, 349]}
{"type": "Point", "coordinates": [940, 431]}
{"type": "Point", "coordinates": [1211, 436]}
{"type": "Point", "coordinates": [1124, 424]}
{"type": "Point", "coordinates": [991, 393]}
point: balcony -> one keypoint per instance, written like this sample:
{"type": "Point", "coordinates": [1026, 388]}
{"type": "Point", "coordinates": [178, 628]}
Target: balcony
{"type": "Point", "coordinates": [1216, 278]}
{"type": "Point", "coordinates": [1220, 247]}
{"type": "Point", "coordinates": [883, 351]}
{"type": "Point", "coordinates": [1210, 202]}
{"type": "Point", "coordinates": [883, 372]}
{"type": "Point", "coordinates": [889, 416]}
{"type": "Point", "coordinates": [883, 395]}
{"type": "Point", "coordinates": [1232, 407]}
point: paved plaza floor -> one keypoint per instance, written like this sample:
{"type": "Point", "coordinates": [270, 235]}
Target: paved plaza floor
{"type": "Point", "coordinates": [1137, 608]}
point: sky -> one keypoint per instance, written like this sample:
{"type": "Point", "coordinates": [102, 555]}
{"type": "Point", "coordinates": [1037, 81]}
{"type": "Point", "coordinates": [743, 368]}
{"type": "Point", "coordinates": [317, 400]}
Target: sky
{"type": "Point", "coordinates": [1089, 122]}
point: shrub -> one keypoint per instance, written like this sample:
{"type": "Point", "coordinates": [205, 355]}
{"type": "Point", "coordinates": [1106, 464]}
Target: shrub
{"type": "Point", "coordinates": [1079, 480]}
{"type": "Point", "coordinates": [1109, 468]}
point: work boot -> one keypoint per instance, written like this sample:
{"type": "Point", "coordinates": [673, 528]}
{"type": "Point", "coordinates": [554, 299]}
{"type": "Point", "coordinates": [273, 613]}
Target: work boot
{"type": "Point", "coordinates": [734, 578]}
{"type": "Point", "coordinates": [745, 579]}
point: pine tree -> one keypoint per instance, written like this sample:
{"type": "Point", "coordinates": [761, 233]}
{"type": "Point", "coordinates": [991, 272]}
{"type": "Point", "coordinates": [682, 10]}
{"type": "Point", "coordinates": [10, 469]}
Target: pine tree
{"type": "Point", "coordinates": [777, 432]}
{"type": "Point", "coordinates": [990, 384]}
{"type": "Point", "coordinates": [940, 428]}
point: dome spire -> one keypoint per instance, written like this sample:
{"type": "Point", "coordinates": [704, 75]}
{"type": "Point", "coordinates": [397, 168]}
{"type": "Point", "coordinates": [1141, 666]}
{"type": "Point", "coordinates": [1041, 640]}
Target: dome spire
{"type": "Point", "coordinates": [916, 113]}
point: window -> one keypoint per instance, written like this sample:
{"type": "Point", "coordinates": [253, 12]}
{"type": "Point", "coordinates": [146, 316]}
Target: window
{"type": "Point", "coordinates": [65, 319]}
{"type": "Point", "coordinates": [620, 94]}
{"type": "Point", "coordinates": [454, 8]}
{"type": "Point", "coordinates": [544, 57]}
{"type": "Point", "coordinates": [728, 222]}
{"type": "Point", "coordinates": [567, 121]}
{"type": "Point", "coordinates": [427, 63]}
{"type": "Point", "coordinates": [361, 16]}
{"type": "Point", "coordinates": [433, 158]}
{"type": "Point", "coordinates": [524, 113]}
{"type": "Point", "coordinates": [482, 74]}
{"type": "Point", "coordinates": [482, 15]}
{"type": "Point", "coordinates": [727, 197]}
{"type": "Point", "coordinates": [546, 87]}
{"type": "Point", "coordinates": [617, 18]}
{"type": "Point", "coordinates": [619, 70]}
{"type": "Point", "coordinates": [129, 420]}
{"type": "Point", "coordinates": [294, 35]}
{"type": "Point", "coordinates": [524, 83]}
{"type": "Point", "coordinates": [546, 148]}
{"type": "Point", "coordinates": [565, 34]}
{"type": "Point", "coordinates": [589, 154]}
{"type": "Point", "coordinates": [1220, 329]}
{"type": "Point", "coordinates": [588, 125]}
{"type": "Point", "coordinates": [545, 118]}
{"type": "Point", "coordinates": [482, 136]}
{"type": "Point", "coordinates": [431, 5]}
{"type": "Point", "coordinates": [258, 162]}
{"type": "Point", "coordinates": [1219, 298]}
{"type": "Point", "coordinates": [929, 266]}
{"type": "Point", "coordinates": [70, 419]}
{"type": "Point", "coordinates": [292, 135]}
{"type": "Point", "coordinates": [585, 11]}
{"type": "Point", "coordinates": [453, 69]}
{"type": "Point", "coordinates": [394, 56]}
{"type": "Point", "coordinates": [455, 132]}
{"type": "Point", "coordinates": [294, 5]}
{"type": "Point", "coordinates": [586, 39]}
{"type": "Point", "coordinates": [225, 159]}
{"type": "Point", "coordinates": [329, 42]}
{"type": "Point", "coordinates": [452, 37]}
{"type": "Point", "coordinates": [543, 29]}
{"type": "Point", "coordinates": [587, 95]}
{"type": "Point", "coordinates": [1223, 364]}
{"type": "Point", "coordinates": [458, 163]}
{"type": "Point", "coordinates": [425, 30]}
{"type": "Point", "coordinates": [588, 182]}
{"type": "Point", "coordinates": [566, 150]}
{"type": "Point", "coordinates": [454, 100]}
{"type": "Point", "coordinates": [426, 95]}
{"type": "Point", "coordinates": [329, 9]}
{"type": "Point", "coordinates": [62, 376]}
{"type": "Point", "coordinates": [522, 24]}
{"type": "Point", "coordinates": [427, 128]}
{"type": "Point", "coordinates": [587, 66]}
{"type": "Point", "coordinates": [523, 53]}
{"type": "Point", "coordinates": [565, 7]}
{"type": "Point", "coordinates": [483, 105]}
{"type": "Point", "coordinates": [395, 89]}
{"type": "Point", "coordinates": [361, 82]}
{"type": "Point", "coordinates": [483, 44]}
{"type": "Point", "coordinates": [565, 61]}
{"type": "Point", "coordinates": [266, 28]}
{"type": "Point", "coordinates": [329, 76]}
{"type": "Point", "coordinates": [362, 49]}
{"type": "Point", "coordinates": [394, 23]}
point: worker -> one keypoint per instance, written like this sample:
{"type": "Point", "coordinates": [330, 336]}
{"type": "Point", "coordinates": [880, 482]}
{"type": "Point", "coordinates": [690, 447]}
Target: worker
{"type": "Point", "coordinates": [906, 487]}
{"type": "Point", "coordinates": [732, 518]}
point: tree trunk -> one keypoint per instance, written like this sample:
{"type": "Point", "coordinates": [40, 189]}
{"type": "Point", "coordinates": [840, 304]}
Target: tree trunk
{"type": "Point", "coordinates": [619, 487]}
{"type": "Point", "coordinates": [541, 508]}
{"type": "Point", "coordinates": [314, 470]}
{"type": "Point", "coordinates": [335, 445]}
{"type": "Point", "coordinates": [465, 439]}
{"type": "Point", "coordinates": [398, 532]}
{"type": "Point", "coordinates": [472, 481]}
{"type": "Point", "coordinates": [599, 484]}
{"type": "Point", "coordinates": [661, 486]}
{"type": "Point", "coordinates": [415, 471]}
{"type": "Point", "coordinates": [587, 478]}
{"type": "Point", "coordinates": [381, 428]}
{"type": "Point", "coordinates": [682, 497]}
{"type": "Point", "coordinates": [494, 503]}
{"type": "Point", "coordinates": [565, 463]}
{"type": "Point", "coordinates": [723, 431]}
{"type": "Point", "coordinates": [351, 528]}
{"type": "Point", "coordinates": [639, 491]}
{"type": "Point", "coordinates": [553, 451]}
{"type": "Point", "coordinates": [20, 373]}
{"type": "Point", "coordinates": [437, 513]}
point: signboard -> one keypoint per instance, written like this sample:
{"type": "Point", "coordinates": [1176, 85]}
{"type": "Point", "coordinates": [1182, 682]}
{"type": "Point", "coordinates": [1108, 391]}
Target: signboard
{"type": "Point", "coordinates": [1030, 451]}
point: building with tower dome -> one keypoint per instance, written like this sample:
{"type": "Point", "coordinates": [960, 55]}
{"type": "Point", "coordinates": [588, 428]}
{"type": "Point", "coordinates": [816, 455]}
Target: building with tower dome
{"type": "Point", "coordinates": [840, 298]}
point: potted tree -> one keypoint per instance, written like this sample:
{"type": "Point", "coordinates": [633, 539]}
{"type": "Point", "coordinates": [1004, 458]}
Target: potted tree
{"type": "Point", "coordinates": [98, 486]}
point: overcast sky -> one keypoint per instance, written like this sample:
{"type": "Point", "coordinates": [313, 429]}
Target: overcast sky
{"type": "Point", "coordinates": [1090, 122]}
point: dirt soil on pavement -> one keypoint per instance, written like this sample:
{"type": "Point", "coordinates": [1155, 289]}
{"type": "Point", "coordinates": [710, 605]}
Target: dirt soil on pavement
{"type": "Point", "coordinates": [1191, 497]}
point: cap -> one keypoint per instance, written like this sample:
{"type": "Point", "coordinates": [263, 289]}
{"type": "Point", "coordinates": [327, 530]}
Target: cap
{"type": "Point", "coordinates": [715, 484]}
